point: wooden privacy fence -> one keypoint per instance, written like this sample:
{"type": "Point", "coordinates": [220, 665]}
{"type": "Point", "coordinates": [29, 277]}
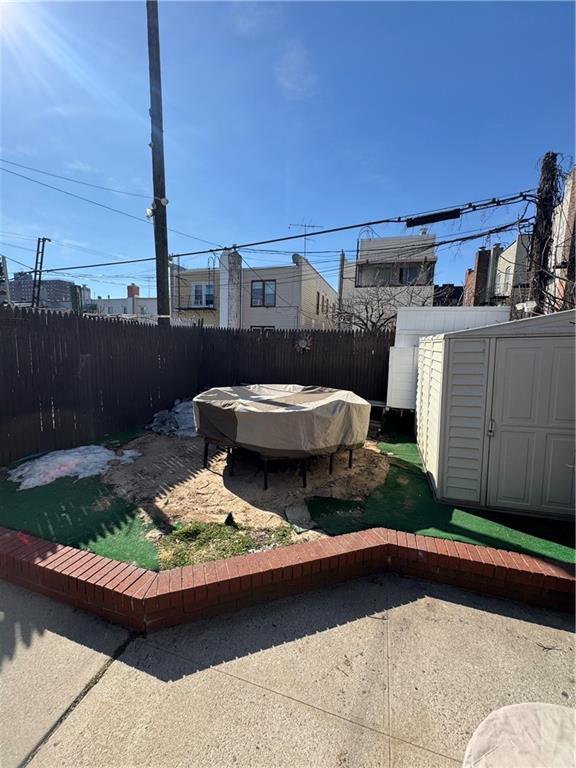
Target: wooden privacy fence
{"type": "Point", "coordinates": [342, 359]}
{"type": "Point", "coordinates": [67, 380]}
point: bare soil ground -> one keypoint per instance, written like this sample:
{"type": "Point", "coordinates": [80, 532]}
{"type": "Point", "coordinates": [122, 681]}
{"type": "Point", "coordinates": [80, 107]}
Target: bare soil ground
{"type": "Point", "coordinates": [168, 483]}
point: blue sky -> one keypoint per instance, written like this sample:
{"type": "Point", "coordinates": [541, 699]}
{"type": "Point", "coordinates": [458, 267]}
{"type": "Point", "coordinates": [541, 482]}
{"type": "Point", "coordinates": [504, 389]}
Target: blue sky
{"type": "Point", "coordinates": [274, 114]}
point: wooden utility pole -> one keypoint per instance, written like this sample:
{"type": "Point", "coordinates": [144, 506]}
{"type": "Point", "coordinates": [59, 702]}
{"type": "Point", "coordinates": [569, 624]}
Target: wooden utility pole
{"type": "Point", "coordinates": [341, 287]}
{"type": "Point", "coordinates": [541, 240]}
{"type": "Point", "coordinates": [158, 176]}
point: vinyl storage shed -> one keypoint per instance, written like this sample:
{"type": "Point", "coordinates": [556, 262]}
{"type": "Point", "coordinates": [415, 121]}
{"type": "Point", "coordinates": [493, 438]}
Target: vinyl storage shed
{"type": "Point", "coordinates": [495, 415]}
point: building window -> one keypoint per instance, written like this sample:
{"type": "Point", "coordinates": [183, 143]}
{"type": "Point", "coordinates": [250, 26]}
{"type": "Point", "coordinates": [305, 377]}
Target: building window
{"type": "Point", "coordinates": [409, 275]}
{"type": "Point", "coordinates": [203, 295]}
{"type": "Point", "coordinates": [370, 275]}
{"type": "Point", "coordinates": [142, 310]}
{"type": "Point", "coordinates": [198, 299]}
{"type": "Point", "coordinates": [317, 302]}
{"type": "Point", "coordinates": [262, 328]}
{"type": "Point", "coordinates": [263, 293]}
{"type": "Point", "coordinates": [124, 310]}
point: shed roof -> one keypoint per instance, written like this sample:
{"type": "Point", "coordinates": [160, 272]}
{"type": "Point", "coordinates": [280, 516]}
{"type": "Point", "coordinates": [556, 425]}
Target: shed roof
{"type": "Point", "coordinates": [556, 324]}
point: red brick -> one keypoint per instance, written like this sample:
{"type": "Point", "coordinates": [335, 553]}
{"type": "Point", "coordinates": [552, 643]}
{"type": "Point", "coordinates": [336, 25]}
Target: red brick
{"type": "Point", "coordinates": [187, 577]}
{"type": "Point", "coordinates": [85, 565]}
{"type": "Point", "coordinates": [200, 590]}
{"type": "Point", "coordinates": [210, 574]}
{"type": "Point", "coordinates": [92, 574]}
{"type": "Point", "coordinates": [234, 575]}
{"type": "Point", "coordinates": [484, 556]}
{"type": "Point", "coordinates": [105, 578]}
{"type": "Point", "coordinates": [222, 573]}
{"type": "Point", "coordinates": [74, 563]}
{"type": "Point", "coordinates": [15, 541]}
{"type": "Point", "coordinates": [452, 551]}
{"type": "Point", "coordinates": [138, 590]}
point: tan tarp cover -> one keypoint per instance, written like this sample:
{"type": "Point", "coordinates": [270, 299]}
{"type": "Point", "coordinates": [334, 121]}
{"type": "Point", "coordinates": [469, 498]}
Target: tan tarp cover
{"type": "Point", "coordinates": [283, 420]}
{"type": "Point", "coordinates": [528, 735]}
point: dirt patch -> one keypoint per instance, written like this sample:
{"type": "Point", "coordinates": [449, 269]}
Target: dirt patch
{"type": "Point", "coordinates": [168, 483]}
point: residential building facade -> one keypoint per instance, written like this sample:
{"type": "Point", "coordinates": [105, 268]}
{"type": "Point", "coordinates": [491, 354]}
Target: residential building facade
{"type": "Point", "coordinates": [234, 295]}
{"type": "Point", "coordinates": [511, 278]}
{"type": "Point", "coordinates": [388, 273]}
{"type": "Point", "coordinates": [131, 306]}
{"type": "Point", "coordinates": [54, 294]}
{"type": "Point", "coordinates": [499, 275]}
{"type": "Point", "coordinates": [561, 287]}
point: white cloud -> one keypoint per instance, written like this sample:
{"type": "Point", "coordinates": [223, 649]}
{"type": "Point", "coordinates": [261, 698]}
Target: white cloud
{"type": "Point", "coordinates": [78, 165]}
{"type": "Point", "coordinates": [294, 73]}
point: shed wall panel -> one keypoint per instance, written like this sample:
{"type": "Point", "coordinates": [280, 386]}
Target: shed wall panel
{"type": "Point", "coordinates": [464, 418]}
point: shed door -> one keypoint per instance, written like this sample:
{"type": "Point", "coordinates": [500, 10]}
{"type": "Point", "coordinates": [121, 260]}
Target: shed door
{"type": "Point", "coordinates": [531, 459]}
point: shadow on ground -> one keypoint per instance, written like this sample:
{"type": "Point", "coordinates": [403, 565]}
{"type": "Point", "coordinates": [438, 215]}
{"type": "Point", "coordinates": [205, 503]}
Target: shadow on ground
{"type": "Point", "coordinates": [405, 503]}
{"type": "Point", "coordinates": [169, 480]}
{"type": "Point", "coordinates": [79, 513]}
{"type": "Point", "coordinates": [213, 641]}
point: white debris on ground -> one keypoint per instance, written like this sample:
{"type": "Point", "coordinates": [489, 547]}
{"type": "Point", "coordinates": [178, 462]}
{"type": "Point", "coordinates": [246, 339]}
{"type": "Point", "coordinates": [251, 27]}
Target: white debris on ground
{"type": "Point", "coordinates": [179, 421]}
{"type": "Point", "coordinates": [86, 461]}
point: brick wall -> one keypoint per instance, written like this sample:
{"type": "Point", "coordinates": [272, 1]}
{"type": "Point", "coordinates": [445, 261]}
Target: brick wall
{"type": "Point", "coordinates": [145, 600]}
{"type": "Point", "coordinates": [476, 280]}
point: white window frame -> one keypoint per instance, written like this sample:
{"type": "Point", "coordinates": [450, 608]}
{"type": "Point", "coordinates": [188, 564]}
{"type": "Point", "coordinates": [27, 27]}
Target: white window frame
{"type": "Point", "coordinates": [203, 293]}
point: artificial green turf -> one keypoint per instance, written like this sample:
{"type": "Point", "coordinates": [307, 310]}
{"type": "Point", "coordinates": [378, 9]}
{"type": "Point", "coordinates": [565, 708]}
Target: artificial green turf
{"type": "Point", "coordinates": [405, 503]}
{"type": "Point", "coordinates": [79, 513]}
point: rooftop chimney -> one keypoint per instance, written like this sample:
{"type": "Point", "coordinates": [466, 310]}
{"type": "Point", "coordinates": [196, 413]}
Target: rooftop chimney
{"type": "Point", "coordinates": [133, 291]}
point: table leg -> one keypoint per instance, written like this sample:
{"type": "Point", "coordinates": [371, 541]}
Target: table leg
{"type": "Point", "coordinates": [331, 465]}
{"type": "Point", "coordinates": [350, 459]}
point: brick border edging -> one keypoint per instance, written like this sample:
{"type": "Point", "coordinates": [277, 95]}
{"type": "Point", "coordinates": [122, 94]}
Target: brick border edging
{"type": "Point", "coordinates": [145, 600]}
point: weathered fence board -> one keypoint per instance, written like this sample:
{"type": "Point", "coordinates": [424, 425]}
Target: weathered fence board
{"type": "Point", "coordinates": [67, 380]}
{"type": "Point", "coordinates": [341, 359]}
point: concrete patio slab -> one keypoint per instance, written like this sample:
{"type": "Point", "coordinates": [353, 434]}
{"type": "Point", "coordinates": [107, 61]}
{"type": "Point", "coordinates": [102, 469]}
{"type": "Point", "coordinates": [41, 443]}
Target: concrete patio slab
{"type": "Point", "coordinates": [403, 755]}
{"type": "Point", "coordinates": [50, 652]}
{"type": "Point", "coordinates": [332, 655]}
{"type": "Point", "coordinates": [452, 663]}
{"type": "Point", "coordinates": [269, 686]}
{"type": "Point", "coordinates": [148, 710]}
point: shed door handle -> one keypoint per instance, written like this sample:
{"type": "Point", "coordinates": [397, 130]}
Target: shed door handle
{"type": "Point", "coordinates": [491, 427]}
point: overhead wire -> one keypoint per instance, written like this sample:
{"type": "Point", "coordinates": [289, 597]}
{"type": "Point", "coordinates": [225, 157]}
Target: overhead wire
{"type": "Point", "coordinates": [75, 181]}
{"type": "Point", "coordinates": [106, 207]}
{"type": "Point", "coordinates": [465, 208]}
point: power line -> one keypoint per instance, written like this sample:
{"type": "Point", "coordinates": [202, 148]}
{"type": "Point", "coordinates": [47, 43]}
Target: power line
{"type": "Point", "coordinates": [479, 235]}
{"type": "Point", "coordinates": [75, 181]}
{"type": "Point", "coordinates": [106, 207]}
{"type": "Point", "coordinates": [15, 261]}
{"type": "Point", "coordinates": [466, 208]}
{"type": "Point", "coordinates": [19, 247]}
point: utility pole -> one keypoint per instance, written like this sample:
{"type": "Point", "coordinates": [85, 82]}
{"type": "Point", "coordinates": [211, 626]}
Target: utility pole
{"type": "Point", "coordinates": [541, 240]}
{"type": "Point", "coordinates": [38, 264]}
{"type": "Point", "coordinates": [341, 287]}
{"type": "Point", "coordinates": [158, 175]}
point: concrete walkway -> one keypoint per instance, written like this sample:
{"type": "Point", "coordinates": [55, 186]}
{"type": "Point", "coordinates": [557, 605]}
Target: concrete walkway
{"type": "Point", "coordinates": [382, 671]}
